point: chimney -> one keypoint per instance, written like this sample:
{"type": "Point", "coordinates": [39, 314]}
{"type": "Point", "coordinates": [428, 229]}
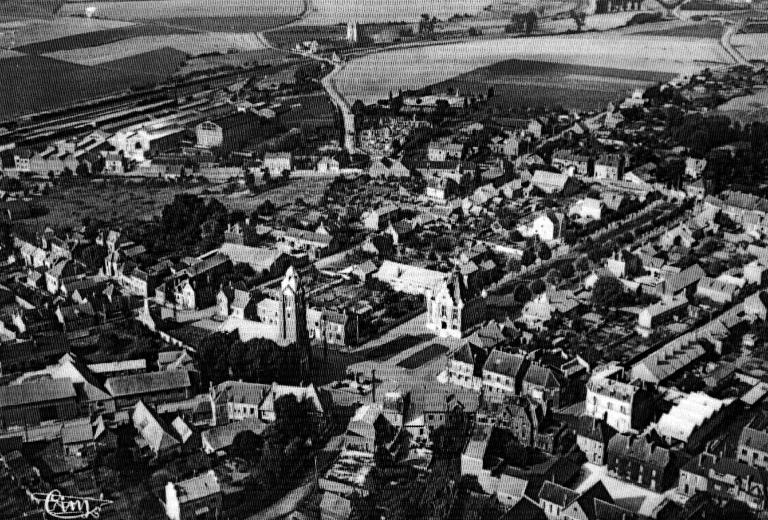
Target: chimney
{"type": "Point", "coordinates": [373, 382]}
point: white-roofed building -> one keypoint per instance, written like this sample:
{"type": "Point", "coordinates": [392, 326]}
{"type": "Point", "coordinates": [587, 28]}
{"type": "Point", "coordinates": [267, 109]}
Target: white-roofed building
{"type": "Point", "coordinates": [691, 419]}
{"type": "Point", "coordinates": [197, 497]}
{"type": "Point", "coordinates": [409, 279]}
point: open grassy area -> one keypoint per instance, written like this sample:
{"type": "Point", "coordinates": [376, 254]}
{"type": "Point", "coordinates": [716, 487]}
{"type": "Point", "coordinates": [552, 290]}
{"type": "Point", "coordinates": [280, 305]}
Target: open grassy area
{"type": "Point", "coordinates": [702, 30]}
{"type": "Point", "coordinates": [96, 38]}
{"type": "Point", "coordinates": [423, 356]}
{"type": "Point", "coordinates": [541, 84]}
{"type": "Point", "coordinates": [22, 9]}
{"type": "Point", "coordinates": [110, 200]}
{"type": "Point", "coordinates": [312, 111]}
{"type": "Point", "coordinates": [758, 28]}
{"type": "Point", "coordinates": [36, 83]}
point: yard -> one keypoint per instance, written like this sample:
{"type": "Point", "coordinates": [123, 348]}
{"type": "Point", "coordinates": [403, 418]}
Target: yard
{"type": "Point", "coordinates": [423, 356]}
{"type": "Point", "coordinates": [116, 201]}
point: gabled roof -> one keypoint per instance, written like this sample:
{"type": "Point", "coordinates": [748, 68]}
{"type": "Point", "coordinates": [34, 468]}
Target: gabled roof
{"type": "Point", "coordinates": [239, 392]}
{"type": "Point", "coordinates": [557, 494]}
{"type": "Point", "coordinates": [155, 431]}
{"type": "Point", "coordinates": [221, 437]}
{"type": "Point", "coordinates": [40, 391]}
{"type": "Point", "coordinates": [506, 364]}
{"type": "Point", "coordinates": [198, 487]}
{"type": "Point", "coordinates": [541, 376]}
{"type": "Point", "coordinates": [754, 438]}
{"type": "Point", "coordinates": [138, 384]}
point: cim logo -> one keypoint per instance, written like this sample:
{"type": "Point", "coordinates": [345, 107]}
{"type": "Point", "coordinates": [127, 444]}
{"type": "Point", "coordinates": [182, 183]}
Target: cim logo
{"type": "Point", "coordinates": [64, 507]}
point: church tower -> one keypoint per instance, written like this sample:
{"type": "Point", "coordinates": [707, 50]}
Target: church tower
{"type": "Point", "coordinates": [293, 318]}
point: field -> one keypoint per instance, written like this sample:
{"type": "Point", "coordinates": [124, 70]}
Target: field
{"type": "Point", "coordinates": [116, 201]}
{"type": "Point", "coordinates": [758, 28]}
{"type": "Point", "coordinates": [752, 45]}
{"type": "Point", "coordinates": [707, 5]}
{"type": "Point", "coordinates": [423, 356]}
{"type": "Point", "coordinates": [372, 77]}
{"type": "Point", "coordinates": [262, 13]}
{"type": "Point", "coordinates": [37, 83]}
{"type": "Point", "coordinates": [331, 12]}
{"type": "Point", "coordinates": [29, 31]}
{"type": "Point", "coordinates": [23, 9]}
{"type": "Point", "coordinates": [529, 83]}
{"type": "Point", "coordinates": [97, 38]}
{"type": "Point", "coordinates": [747, 108]}
{"type": "Point", "coordinates": [310, 189]}
{"type": "Point", "coordinates": [191, 44]}
{"type": "Point", "coordinates": [702, 30]}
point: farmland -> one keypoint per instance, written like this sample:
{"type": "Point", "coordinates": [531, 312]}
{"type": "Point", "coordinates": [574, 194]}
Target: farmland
{"type": "Point", "coordinates": [262, 12]}
{"type": "Point", "coordinates": [751, 45]}
{"type": "Point", "coordinates": [29, 31]}
{"type": "Point", "coordinates": [22, 9]}
{"type": "Point", "coordinates": [35, 83]}
{"type": "Point", "coordinates": [97, 38]}
{"type": "Point", "coordinates": [703, 30]}
{"type": "Point", "coordinates": [529, 83]}
{"type": "Point", "coordinates": [192, 44]}
{"type": "Point", "coordinates": [331, 12]}
{"type": "Point", "coordinates": [372, 77]}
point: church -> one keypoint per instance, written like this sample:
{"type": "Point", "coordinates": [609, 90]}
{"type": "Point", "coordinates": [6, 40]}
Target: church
{"type": "Point", "coordinates": [450, 311]}
{"type": "Point", "coordinates": [282, 319]}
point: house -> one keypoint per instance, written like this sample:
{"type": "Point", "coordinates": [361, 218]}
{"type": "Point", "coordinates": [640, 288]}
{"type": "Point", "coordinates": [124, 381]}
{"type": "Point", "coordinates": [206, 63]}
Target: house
{"type": "Point", "coordinates": [386, 168]}
{"type": "Point", "coordinates": [613, 120]}
{"type": "Point", "coordinates": [503, 374]}
{"type": "Point", "coordinates": [368, 429]}
{"type": "Point", "coordinates": [157, 438]}
{"type": "Point", "coordinates": [623, 264]}
{"type": "Point", "coordinates": [449, 310]}
{"type": "Point", "coordinates": [725, 479]}
{"type": "Point", "coordinates": [694, 168]}
{"type": "Point", "coordinates": [328, 166]}
{"type": "Point", "coordinates": [278, 162]}
{"type": "Point", "coordinates": [465, 368]}
{"type": "Point", "coordinates": [62, 270]}
{"type": "Point", "coordinates": [623, 405]}
{"type": "Point", "coordinates": [752, 448]}
{"type": "Point", "coordinates": [716, 290]}
{"type": "Point", "coordinates": [639, 460]}
{"type": "Point", "coordinates": [587, 208]}
{"type": "Point", "coordinates": [548, 226]}
{"type": "Point", "coordinates": [657, 313]}
{"type": "Point", "coordinates": [554, 183]}
{"type": "Point", "coordinates": [610, 167]}
{"type": "Point", "coordinates": [378, 219]}
{"type": "Point", "coordinates": [194, 498]}
{"type": "Point", "coordinates": [441, 188]}
{"type": "Point", "coordinates": [680, 235]}
{"type": "Point", "coordinates": [335, 507]}
{"type": "Point", "coordinates": [565, 159]}
{"type": "Point", "coordinates": [92, 395]}
{"type": "Point", "coordinates": [592, 436]}
{"type": "Point", "coordinates": [316, 245]}
{"type": "Point", "coordinates": [541, 385]}
{"type": "Point", "coordinates": [151, 387]}
{"type": "Point", "coordinates": [675, 285]}
{"type": "Point", "coordinates": [554, 498]}
{"type": "Point", "coordinates": [35, 402]}
{"type": "Point", "coordinates": [444, 150]}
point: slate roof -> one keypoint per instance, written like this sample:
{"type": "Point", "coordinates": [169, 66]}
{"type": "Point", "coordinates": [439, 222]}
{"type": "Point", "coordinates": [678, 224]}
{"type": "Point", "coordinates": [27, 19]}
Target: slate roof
{"type": "Point", "coordinates": [39, 391]}
{"type": "Point", "coordinates": [198, 487]}
{"type": "Point", "coordinates": [557, 494]}
{"type": "Point", "coordinates": [158, 435]}
{"type": "Point", "coordinates": [503, 363]}
{"type": "Point", "coordinates": [639, 448]}
{"type": "Point", "coordinates": [222, 437]}
{"type": "Point", "coordinates": [240, 392]}
{"type": "Point", "coordinates": [754, 438]}
{"type": "Point", "coordinates": [137, 384]}
{"type": "Point", "coordinates": [686, 278]}
{"type": "Point", "coordinates": [541, 376]}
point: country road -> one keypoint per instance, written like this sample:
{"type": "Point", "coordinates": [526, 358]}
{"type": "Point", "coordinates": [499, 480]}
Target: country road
{"type": "Point", "coordinates": [725, 42]}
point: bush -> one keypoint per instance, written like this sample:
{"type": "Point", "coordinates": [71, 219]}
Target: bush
{"type": "Point", "coordinates": [642, 18]}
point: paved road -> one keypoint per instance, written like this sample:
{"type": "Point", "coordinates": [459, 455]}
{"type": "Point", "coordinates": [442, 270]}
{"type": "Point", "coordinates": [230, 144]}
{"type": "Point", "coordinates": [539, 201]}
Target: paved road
{"type": "Point", "coordinates": [725, 43]}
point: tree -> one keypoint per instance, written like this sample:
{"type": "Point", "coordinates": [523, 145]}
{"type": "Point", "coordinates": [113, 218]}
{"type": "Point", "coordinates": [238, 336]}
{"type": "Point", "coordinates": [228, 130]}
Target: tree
{"type": "Point", "coordinates": [544, 252]}
{"type": "Point", "coordinates": [537, 286]}
{"type": "Point", "coordinates": [579, 19]}
{"type": "Point", "coordinates": [567, 271]}
{"type": "Point", "coordinates": [266, 176]}
{"type": "Point", "coordinates": [554, 277]}
{"type": "Point", "coordinates": [82, 169]}
{"type": "Point", "coordinates": [285, 174]}
{"type": "Point", "coordinates": [608, 292]}
{"type": "Point", "coordinates": [513, 265]}
{"type": "Point", "coordinates": [93, 256]}
{"type": "Point", "coordinates": [522, 293]}
{"type": "Point", "coordinates": [528, 257]}
{"type": "Point", "coordinates": [66, 172]}
{"type": "Point", "coordinates": [247, 445]}
{"type": "Point", "coordinates": [531, 21]}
